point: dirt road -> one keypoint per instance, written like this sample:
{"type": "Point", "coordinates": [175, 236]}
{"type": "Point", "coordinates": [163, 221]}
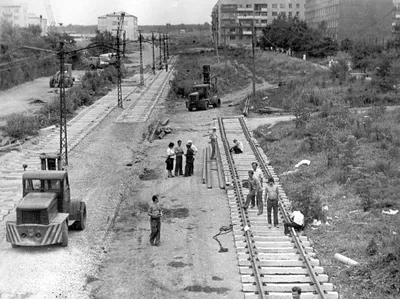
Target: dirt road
{"type": "Point", "coordinates": [188, 263]}
{"type": "Point", "coordinates": [21, 98]}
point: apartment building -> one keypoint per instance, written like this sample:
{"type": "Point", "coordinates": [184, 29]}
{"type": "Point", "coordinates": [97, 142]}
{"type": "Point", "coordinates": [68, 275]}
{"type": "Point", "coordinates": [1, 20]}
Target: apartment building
{"type": "Point", "coordinates": [15, 13]}
{"type": "Point", "coordinates": [396, 19]}
{"type": "Point", "coordinates": [234, 21]}
{"type": "Point", "coordinates": [354, 19]}
{"type": "Point", "coordinates": [109, 22]}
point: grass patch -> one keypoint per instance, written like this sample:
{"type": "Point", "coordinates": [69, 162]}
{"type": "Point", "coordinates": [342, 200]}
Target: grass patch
{"type": "Point", "coordinates": [354, 172]}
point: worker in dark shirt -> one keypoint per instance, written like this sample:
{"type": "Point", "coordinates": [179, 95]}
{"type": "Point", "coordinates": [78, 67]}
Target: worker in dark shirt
{"type": "Point", "coordinates": [189, 160]}
{"type": "Point", "coordinates": [155, 214]}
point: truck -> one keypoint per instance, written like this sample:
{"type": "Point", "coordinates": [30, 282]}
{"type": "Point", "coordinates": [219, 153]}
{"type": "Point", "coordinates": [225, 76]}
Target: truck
{"type": "Point", "coordinates": [68, 79]}
{"type": "Point", "coordinates": [205, 94]}
{"type": "Point", "coordinates": [102, 61]}
{"type": "Point", "coordinates": [46, 209]}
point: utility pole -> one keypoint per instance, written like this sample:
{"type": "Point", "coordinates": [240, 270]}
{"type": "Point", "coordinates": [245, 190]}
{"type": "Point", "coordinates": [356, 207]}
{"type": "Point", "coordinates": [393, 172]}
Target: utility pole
{"type": "Point", "coordinates": [159, 39]}
{"type": "Point", "coordinates": [141, 58]}
{"type": "Point", "coordinates": [254, 60]}
{"type": "Point", "coordinates": [119, 72]}
{"type": "Point", "coordinates": [63, 110]}
{"type": "Point", "coordinates": [226, 59]}
{"type": "Point", "coordinates": [167, 48]}
{"type": "Point", "coordinates": [216, 33]}
{"type": "Point", "coordinates": [165, 56]}
{"type": "Point", "coordinates": [154, 57]}
{"type": "Point", "coordinates": [124, 43]}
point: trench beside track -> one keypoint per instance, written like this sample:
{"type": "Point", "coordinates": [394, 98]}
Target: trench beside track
{"type": "Point", "coordinates": [270, 262]}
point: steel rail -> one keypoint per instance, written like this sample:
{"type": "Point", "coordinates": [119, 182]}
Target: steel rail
{"type": "Point", "coordinates": [294, 235]}
{"type": "Point", "coordinates": [253, 255]}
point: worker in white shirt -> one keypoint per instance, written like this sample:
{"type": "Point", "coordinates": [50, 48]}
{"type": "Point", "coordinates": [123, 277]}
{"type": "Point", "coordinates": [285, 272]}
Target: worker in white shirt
{"type": "Point", "coordinates": [257, 172]}
{"type": "Point", "coordinates": [195, 150]}
{"type": "Point", "coordinates": [237, 148]}
{"type": "Point", "coordinates": [297, 221]}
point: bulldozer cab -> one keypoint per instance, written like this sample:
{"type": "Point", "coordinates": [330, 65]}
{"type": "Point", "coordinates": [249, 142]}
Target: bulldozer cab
{"type": "Point", "coordinates": [203, 90]}
{"type": "Point", "coordinates": [48, 181]}
{"type": "Point", "coordinates": [50, 161]}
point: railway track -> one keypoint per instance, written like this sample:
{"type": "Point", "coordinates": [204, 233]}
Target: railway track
{"type": "Point", "coordinates": [270, 262]}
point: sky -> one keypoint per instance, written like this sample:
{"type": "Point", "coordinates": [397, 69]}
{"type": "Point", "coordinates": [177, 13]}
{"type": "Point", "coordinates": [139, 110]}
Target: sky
{"type": "Point", "coordinates": [149, 12]}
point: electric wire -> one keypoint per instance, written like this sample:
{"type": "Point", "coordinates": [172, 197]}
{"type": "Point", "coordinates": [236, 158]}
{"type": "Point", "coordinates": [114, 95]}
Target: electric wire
{"type": "Point", "coordinates": [376, 22]}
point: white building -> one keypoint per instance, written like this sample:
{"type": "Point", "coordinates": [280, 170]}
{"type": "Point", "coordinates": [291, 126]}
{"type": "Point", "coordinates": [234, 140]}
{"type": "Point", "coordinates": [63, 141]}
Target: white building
{"type": "Point", "coordinates": [233, 21]}
{"type": "Point", "coordinates": [15, 13]}
{"type": "Point", "coordinates": [40, 21]}
{"type": "Point", "coordinates": [109, 22]}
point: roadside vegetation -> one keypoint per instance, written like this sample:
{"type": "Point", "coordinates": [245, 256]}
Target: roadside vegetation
{"type": "Point", "coordinates": [348, 127]}
{"type": "Point", "coordinates": [94, 85]}
{"type": "Point", "coordinates": [18, 65]}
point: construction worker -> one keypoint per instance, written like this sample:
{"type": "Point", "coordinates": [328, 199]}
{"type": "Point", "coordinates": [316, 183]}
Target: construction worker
{"type": "Point", "coordinates": [179, 158]}
{"type": "Point", "coordinates": [296, 292]}
{"type": "Point", "coordinates": [155, 214]}
{"type": "Point", "coordinates": [271, 201]}
{"type": "Point", "coordinates": [189, 160]}
{"type": "Point", "coordinates": [254, 190]}
{"type": "Point", "coordinates": [170, 159]}
{"type": "Point", "coordinates": [213, 141]}
{"type": "Point", "coordinates": [237, 148]}
{"type": "Point", "coordinates": [195, 150]}
{"type": "Point", "coordinates": [257, 172]}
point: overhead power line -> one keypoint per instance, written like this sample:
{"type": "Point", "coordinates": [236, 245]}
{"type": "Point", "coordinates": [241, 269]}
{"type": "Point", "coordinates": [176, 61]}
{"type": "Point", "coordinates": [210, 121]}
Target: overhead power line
{"type": "Point", "coordinates": [376, 22]}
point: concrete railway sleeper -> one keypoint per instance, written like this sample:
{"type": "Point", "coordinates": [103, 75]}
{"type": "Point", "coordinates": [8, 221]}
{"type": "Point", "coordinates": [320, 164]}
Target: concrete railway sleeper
{"type": "Point", "coordinates": [270, 263]}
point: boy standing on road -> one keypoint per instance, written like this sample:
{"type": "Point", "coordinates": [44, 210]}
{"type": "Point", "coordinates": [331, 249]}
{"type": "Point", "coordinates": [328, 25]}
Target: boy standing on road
{"type": "Point", "coordinates": [155, 214]}
{"type": "Point", "coordinates": [271, 201]}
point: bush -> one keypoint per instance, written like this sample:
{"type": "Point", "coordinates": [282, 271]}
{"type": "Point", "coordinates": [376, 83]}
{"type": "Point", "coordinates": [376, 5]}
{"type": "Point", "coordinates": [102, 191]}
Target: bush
{"type": "Point", "coordinates": [19, 125]}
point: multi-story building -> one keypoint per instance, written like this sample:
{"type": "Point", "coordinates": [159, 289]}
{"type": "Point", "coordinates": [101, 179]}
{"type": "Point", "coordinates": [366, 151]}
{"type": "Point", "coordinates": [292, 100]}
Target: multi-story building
{"type": "Point", "coordinates": [234, 21]}
{"type": "Point", "coordinates": [15, 13]}
{"type": "Point", "coordinates": [109, 22]}
{"type": "Point", "coordinates": [39, 21]}
{"type": "Point", "coordinates": [396, 19]}
{"type": "Point", "coordinates": [354, 19]}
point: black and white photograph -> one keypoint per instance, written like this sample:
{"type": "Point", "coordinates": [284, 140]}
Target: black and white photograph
{"type": "Point", "coordinates": [241, 149]}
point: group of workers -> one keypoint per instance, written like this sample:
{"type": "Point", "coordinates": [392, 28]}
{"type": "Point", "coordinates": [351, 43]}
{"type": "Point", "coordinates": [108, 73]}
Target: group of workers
{"type": "Point", "coordinates": [255, 185]}
{"type": "Point", "coordinates": [176, 153]}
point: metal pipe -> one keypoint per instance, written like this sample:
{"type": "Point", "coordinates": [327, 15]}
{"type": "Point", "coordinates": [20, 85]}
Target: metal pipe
{"type": "Point", "coordinates": [204, 166]}
{"type": "Point", "coordinates": [209, 178]}
{"type": "Point", "coordinates": [221, 178]}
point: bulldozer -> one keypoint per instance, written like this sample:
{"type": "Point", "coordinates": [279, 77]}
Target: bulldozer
{"type": "Point", "coordinates": [68, 79]}
{"type": "Point", "coordinates": [203, 95]}
{"type": "Point", "coordinates": [46, 209]}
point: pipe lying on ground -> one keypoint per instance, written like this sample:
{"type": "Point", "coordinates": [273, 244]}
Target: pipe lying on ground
{"type": "Point", "coordinates": [204, 166]}
{"type": "Point", "coordinates": [346, 260]}
{"type": "Point", "coordinates": [209, 178]}
{"type": "Point", "coordinates": [162, 134]}
{"type": "Point", "coordinates": [219, 169]}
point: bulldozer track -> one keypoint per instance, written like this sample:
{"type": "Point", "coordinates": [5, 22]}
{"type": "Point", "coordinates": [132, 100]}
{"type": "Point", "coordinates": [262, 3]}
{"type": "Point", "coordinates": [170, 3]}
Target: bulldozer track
{"type": "Point", "coordinates": [270, 262]}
